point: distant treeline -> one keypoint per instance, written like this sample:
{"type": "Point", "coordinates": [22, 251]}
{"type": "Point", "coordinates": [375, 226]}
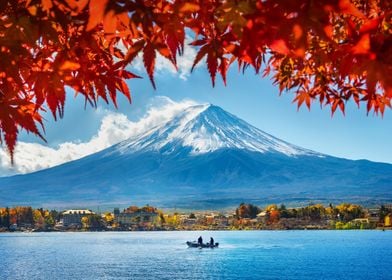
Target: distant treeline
{"type": "Point", "coordinates": [342, 216]}
{"type": "Point", "coordinates": [26, 215]}
{"type": "Point", "coordinates": [344, 212]}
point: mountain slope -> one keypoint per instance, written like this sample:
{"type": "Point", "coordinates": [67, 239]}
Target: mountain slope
{"type": "Point", "coordinates": [203, 157]}
{"type": "Point", "coordinates": [207, 128]}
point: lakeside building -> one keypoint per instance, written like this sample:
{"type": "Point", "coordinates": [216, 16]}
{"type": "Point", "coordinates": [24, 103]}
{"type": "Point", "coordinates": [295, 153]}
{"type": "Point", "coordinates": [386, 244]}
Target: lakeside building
{"type": "Point", "coordinates": [189, 221]}
{"type": "Point", "coordinates": [388, 207]}
{"type": "Point", "coordinates": [74, 217]}
{"type": "Point", "coordinates": [373, 215]}
{"type": "Point", "coordinates": [134, 216]}
{"type": "Point", "coordinates": [262, 217]}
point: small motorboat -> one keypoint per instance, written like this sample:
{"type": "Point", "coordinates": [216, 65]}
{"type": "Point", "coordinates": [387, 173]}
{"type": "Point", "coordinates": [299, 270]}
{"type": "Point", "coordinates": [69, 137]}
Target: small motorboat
{"type": "Point", "coordinates": [194, 244]}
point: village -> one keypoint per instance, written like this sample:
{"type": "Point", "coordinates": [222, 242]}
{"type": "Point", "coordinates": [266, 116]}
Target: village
{"type": "Point", "coordinates": [245, 217]}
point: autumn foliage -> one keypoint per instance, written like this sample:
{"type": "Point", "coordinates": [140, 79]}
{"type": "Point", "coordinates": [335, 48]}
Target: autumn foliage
{"type": "Point", "coordinates": [329, 51]}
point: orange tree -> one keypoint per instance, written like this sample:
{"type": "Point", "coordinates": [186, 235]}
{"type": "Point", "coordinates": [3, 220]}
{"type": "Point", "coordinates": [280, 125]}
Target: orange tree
{"type": "Point", "coordinates": [328, 51]}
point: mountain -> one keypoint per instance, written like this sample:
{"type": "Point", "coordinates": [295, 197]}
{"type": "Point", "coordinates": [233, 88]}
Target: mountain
{"type": "Point", "coordinates": [208, 128]}
{"type": "Point", "coordinates": [204, 157]}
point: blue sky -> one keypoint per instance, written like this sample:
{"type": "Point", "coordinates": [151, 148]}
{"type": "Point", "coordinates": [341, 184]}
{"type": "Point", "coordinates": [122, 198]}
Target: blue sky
{"type": "Point", "coordinates": [250, 97]}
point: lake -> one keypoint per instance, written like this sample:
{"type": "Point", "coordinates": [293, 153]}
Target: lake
{"type": "Point", "coordinates": [164, 255]}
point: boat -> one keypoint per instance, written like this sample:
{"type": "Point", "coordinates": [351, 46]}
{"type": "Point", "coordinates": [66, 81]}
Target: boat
{"type": "Point", "coordinates": [194, 244]}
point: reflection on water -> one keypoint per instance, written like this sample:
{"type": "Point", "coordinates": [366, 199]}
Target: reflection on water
{"type": "Point", "coordinates": [164, 255]}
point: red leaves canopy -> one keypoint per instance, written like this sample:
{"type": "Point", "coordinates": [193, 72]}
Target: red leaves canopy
{"type": "Point", "coordinates": [330, 51]}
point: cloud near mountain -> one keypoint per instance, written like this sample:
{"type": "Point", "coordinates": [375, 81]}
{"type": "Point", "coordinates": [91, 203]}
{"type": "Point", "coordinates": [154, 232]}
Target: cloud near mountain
{"type": "Point", "coordinates": [114, 128]}
{"type": "Point", "coordinates": [197, 156]}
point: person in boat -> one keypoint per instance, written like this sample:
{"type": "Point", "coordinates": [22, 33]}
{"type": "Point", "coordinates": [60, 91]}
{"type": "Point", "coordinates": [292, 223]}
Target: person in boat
{"type": "Point", "coordinates": [212, 242]}
{"type": "Point", "coordinates": [200, 240]}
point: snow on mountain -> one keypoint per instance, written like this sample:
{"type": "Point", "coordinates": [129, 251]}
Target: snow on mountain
{"type": "Point", "coordinates": [207, 128]}
{"type": "Point", "coordinates": [202, 157]}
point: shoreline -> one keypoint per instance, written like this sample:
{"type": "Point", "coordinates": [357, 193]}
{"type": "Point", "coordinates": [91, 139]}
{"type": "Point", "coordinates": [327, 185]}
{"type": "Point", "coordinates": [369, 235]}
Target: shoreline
{"type": "Point", "coordinates": [189, 230]}
{"type": "Point", "coordinates": [345, 216]}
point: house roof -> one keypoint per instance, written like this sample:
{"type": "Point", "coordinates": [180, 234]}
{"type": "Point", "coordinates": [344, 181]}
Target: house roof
{"type": "Point", "coordinates": [262, 214]}
{"type": "Point", "coordinates": [78, 212]}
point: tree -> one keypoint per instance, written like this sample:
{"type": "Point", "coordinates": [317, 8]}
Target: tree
{"type": "Point", "coordinates": [39, 219]}
{"type": "Point", "coordinates": [172, 220]}
{"type": "Point", "coordinates": [91, 221]}
{"type": "Point", "coordinates": [316, 211]}
{"type": "Point", "coordinates": [5, 217]}
{"type": "Point", "coordinates": [13, 216]}
{"type": "Point", "coordinates": [271, 207]}
{"type": "Point", "coordinates": [384, 211]}
{"type": "Point", "coordinates": [148, 209]}
{"type": "Point", "coordinates": [349, 211]}
{"type": "Point", "coordinates": [24, 215]}
{"type": "Point", "coordinates": [273, 216]}
{"type": "Point", "coordinates": [249, 211]}
{"type": "Point", "coordinates": [85, 222]}
{"type": "Point", "coordinates": [328, 51]}
{"type": "Point", "coordinates": [49, 219]}
{"type": "Point", "coordinates": [55, 215]}
{"type": "Point", "coordinates": [131, 209]}
{"type": "Point", "coordinates": [284, 213]}
{"type": "Point", "coordinates": [108, 217]}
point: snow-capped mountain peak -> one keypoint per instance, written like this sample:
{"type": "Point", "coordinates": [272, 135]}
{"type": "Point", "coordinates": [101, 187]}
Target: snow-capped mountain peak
{"type": "Point", "coordinates": [203, 157]}
{"type": "Point", "coordinates": [207, 128]}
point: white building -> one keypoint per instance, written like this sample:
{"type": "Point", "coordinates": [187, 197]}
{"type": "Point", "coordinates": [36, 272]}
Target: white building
{"type": "Point", "coordinates": [262, 217]}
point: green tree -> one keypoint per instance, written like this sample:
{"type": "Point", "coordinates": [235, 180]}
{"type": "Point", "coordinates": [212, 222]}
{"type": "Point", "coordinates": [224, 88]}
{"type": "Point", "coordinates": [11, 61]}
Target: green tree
{"type": "Point", "coordinates": [339, 225]}
{"type": "Point", "coordinates": [55, 214]}
{"type": "Point", "coordinates": [284, 213]}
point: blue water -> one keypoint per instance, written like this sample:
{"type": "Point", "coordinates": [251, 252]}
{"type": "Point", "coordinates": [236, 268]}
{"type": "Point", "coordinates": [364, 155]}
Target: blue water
{"type": "Point", "coordinates": [164, 255]}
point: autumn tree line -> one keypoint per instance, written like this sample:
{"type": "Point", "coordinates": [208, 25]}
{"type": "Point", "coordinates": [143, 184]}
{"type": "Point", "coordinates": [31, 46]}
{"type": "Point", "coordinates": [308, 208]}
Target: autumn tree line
{"type": "Point", "coordinates": [246, 216]}
{"type": "Point", "coordinates": [27, 216]}
{"type": "Point", "coordinates": [341, 216]}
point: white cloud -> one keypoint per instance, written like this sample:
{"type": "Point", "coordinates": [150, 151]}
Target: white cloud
{"type": "Point", "coordinates": [115, 127]}
{"type": "Point", "coordinates": [164, 66]}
